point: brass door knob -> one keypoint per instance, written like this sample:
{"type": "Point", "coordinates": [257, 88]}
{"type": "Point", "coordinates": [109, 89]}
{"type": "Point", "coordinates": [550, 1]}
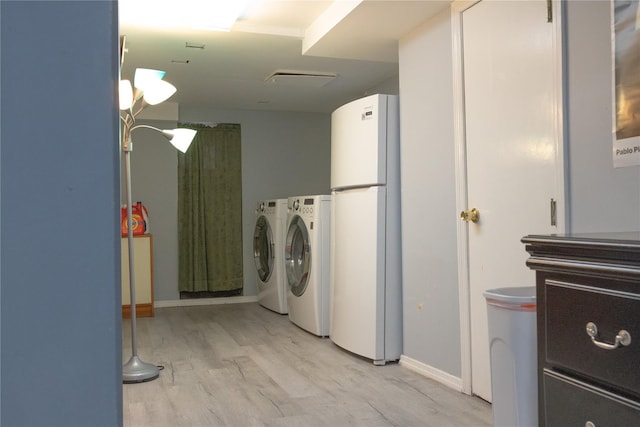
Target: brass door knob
{"type": "Point", "coordinates": [472, 215]}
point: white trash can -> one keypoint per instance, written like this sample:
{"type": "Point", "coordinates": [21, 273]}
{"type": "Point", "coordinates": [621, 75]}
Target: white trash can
{"type": "Point", "coordinates": [513, 352]}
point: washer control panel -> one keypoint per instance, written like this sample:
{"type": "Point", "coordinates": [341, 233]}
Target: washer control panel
{"type": "Point", "coordinates": [303, 206]}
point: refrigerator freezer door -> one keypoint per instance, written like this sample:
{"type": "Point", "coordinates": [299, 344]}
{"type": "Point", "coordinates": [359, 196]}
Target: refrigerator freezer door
{"type": "Point", "coordinates": [359, 143]}
{"type": "Point", "coordinates": [358, 271]}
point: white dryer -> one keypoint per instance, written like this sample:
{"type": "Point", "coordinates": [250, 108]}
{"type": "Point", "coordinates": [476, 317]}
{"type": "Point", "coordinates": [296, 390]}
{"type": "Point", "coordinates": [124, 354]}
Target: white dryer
{"type": "Point", "coordinates": [268, 252]}
{"type": "Point", "coordinates": [306, 258]}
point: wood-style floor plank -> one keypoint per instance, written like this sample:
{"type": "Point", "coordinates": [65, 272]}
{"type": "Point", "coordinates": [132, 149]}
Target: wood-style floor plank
{"type": "Point", "coordinates": [243, 365]}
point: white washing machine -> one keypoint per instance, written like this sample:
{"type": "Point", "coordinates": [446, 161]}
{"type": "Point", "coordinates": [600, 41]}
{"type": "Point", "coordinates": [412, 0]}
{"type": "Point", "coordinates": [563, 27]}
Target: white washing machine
{"type": "Point", "coordinates": [268, 253]}
{"type": "Point", "coordinates": [306, 260]}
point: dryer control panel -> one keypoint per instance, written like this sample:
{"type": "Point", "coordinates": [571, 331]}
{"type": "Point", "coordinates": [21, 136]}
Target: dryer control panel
{"type": "Point", "coordinates": [266, 207]}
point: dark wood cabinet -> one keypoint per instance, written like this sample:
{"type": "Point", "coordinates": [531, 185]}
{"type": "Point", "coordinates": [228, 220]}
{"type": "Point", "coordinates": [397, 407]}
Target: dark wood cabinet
{"type": "Point", "coordinates": [588, 328]}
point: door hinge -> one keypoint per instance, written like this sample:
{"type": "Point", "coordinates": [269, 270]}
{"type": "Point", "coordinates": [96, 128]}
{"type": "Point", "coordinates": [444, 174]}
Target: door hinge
{"type": "Point", "coordinates": [554, 213]}
{"type": "Point", "coordinates": [549, 11]}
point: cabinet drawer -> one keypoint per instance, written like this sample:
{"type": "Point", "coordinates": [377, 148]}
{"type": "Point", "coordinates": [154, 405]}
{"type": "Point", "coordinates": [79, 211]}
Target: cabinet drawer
{"type": "Point", "coordinates": [573, 403]}
{"type": "Point", "coordinates": [568, 310]}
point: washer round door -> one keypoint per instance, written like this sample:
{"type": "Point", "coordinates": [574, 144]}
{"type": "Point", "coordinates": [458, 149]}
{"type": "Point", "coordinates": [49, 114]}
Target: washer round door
{"type": "Point", "coordinates": [263, 248]}
{"type": "Point", "coordinates": [297, 256]}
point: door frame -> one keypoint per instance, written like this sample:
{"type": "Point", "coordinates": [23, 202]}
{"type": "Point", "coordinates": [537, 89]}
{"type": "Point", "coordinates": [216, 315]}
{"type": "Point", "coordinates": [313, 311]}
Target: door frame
{"type": "Point", "coordinates": [457, 8]}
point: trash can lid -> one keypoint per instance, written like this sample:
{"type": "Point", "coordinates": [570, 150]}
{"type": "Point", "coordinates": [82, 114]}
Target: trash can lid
{"type": "Point", "coordinates": [518, 298]}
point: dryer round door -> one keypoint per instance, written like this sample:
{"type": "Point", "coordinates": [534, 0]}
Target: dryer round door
{"type": "Point", "coordinates": [263, 248]}
{"type": "Point", "coordinates": [297, 256]}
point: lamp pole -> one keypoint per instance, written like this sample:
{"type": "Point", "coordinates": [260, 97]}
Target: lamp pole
{"type": "Point", "coordinates": [131, 104]}
{"type": "Point", "coordinates": [135, 370]}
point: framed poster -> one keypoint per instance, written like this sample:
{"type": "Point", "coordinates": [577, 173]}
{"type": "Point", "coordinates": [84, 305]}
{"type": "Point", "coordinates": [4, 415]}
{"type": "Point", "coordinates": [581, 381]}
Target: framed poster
{"type": "Point", "coordinates": [626, 82]}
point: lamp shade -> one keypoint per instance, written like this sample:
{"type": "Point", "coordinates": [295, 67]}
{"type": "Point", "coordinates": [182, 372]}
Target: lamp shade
{"type": "Point", "coordinates": [145, 77]}
{"type": "Point", "coordinates": [125, 94]}
{"type": "Point", "coordinates": [158, 91]}
{"type": "Point", "coordinates": [180, 138]}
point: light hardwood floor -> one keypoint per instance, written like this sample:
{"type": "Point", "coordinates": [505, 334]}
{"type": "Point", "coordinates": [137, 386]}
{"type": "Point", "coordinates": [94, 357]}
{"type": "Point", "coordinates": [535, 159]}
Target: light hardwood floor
{"type": "Point", "coordinates": [243, 365]}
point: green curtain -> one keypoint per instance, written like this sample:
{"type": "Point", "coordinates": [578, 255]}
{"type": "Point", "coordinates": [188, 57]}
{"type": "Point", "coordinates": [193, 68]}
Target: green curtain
{"type": "Point", "coordinates": [210, 211]}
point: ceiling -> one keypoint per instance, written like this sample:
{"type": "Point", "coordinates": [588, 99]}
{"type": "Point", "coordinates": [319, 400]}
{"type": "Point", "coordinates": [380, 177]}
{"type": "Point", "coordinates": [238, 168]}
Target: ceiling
{"type": "Point", "coordinates": [356, 41]}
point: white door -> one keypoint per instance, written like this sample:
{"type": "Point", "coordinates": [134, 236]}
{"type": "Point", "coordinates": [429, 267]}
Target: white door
{"type": "Point", "coordinates": [358, 144]}
{"type": "Point", "coordinates": [358, 271]}
{"type": "Point", "coordinates": [511, 96]}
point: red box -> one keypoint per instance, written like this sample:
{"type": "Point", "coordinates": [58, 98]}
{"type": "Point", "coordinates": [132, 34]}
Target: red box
{"type": "Point", "coordinates": [139, 219]}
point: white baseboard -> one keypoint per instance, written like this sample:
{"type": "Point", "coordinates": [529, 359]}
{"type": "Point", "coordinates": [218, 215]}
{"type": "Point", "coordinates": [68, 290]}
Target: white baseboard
{"type": "Point", "coordinates": [204, 301]}
{"type": "Point", "coordinates": [431, 373]}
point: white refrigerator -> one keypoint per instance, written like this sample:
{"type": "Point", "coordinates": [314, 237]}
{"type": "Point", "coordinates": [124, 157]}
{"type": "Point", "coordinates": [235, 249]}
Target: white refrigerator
{"type": "Point", "coordinates": [366, 279]}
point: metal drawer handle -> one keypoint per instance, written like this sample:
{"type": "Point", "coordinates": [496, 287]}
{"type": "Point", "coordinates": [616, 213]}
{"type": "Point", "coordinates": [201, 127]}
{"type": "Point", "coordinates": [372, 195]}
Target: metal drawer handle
{"type": "Point", "coordinates": [623, 338]}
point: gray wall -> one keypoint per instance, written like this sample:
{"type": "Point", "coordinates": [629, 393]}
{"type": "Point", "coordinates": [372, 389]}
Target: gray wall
{"type": "Point", "coordinates": [283, 154]}
{"type": "Point", "coordinates": [600, 198]}
{"type": "Point", "coordinates": [390, 86]}
{"type": "Point", "coordinates": [154, 181]}
{"type": "Point", "coordinates": [430, 272]}
{"type": "Point", "coordinates": [60, 267]}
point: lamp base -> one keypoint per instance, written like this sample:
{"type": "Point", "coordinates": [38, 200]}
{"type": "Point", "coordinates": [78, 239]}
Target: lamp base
{"type": "Point", "coordinates": [137, 371]}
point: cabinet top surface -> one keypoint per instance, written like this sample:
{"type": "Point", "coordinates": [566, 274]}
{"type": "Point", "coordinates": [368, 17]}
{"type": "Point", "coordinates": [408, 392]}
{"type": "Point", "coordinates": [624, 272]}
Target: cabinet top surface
{"type": "Point", "coordinates": [629, 239]}
{"type": "Point", "coordinates": [603, 254]}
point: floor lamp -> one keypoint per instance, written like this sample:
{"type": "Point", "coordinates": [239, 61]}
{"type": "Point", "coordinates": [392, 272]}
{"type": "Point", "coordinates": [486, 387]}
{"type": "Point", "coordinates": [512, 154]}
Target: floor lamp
{"type": "Point", "coordinates": [150, 89]}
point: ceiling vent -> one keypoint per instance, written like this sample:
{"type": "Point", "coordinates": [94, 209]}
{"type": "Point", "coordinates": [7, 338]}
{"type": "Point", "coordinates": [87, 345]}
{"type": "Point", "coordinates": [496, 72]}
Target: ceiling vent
{"type": "Point", "coordinates": [300, 78]}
